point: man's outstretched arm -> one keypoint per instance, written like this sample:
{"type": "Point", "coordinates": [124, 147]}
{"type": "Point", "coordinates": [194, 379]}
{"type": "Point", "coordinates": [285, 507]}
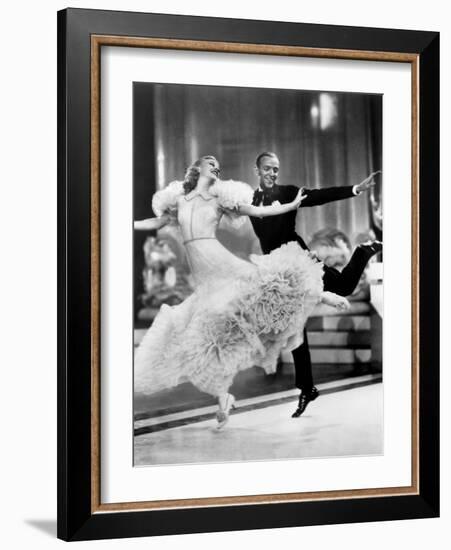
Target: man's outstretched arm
{"type": "Point", "coordinates": [316, 197]}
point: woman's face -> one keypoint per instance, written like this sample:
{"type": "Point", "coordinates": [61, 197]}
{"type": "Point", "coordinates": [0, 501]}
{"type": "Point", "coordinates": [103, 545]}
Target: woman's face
{"type": "Point", "coordinates": [209, 168]}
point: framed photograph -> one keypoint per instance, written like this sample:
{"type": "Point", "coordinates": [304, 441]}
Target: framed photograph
{"type": "Point", "coordinates": [248, 274]}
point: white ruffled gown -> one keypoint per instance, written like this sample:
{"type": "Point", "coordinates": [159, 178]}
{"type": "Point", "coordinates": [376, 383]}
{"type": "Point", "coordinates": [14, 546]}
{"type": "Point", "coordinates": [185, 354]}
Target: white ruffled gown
{"type": "Point", "coordinates": [241, 314]}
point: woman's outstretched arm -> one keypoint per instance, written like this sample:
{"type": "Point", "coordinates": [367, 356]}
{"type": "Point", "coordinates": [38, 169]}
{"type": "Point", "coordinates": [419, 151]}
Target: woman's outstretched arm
{"type": "Point", "coordinates": [150, 224]}
{"type": "Point", "coordinates": [273, 209]}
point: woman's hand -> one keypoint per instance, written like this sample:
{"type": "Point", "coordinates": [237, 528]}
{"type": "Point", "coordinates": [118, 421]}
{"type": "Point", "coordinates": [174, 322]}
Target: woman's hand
{"type": "Point", "coordinates": [299, 198]}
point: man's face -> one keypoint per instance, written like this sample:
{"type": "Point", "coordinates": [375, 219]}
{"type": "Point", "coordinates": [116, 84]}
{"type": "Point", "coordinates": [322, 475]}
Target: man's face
{"type": "Point", "coordinates": [268, 172]}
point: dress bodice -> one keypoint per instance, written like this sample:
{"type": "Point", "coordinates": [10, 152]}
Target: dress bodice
{"type": "Point", "coordinates": [198, 216]}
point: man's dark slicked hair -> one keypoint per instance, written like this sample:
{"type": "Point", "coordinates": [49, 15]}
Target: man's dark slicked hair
{"type": "Point", "coordinates": [265, 154]}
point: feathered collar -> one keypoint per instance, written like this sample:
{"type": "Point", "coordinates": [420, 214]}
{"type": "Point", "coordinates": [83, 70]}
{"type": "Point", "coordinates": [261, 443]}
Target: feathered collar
{"type": "Point", "coordinates": [229, 194]}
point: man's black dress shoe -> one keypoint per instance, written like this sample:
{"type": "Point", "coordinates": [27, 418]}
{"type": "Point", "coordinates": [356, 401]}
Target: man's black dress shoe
{"type": "Point", "coordinates": [304, 400]}
{"type": "Point", "coordinates": [371, 247]}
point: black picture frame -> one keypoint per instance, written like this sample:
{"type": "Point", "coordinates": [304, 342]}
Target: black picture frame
{"type": "Point", "coordinates": [78, 518]}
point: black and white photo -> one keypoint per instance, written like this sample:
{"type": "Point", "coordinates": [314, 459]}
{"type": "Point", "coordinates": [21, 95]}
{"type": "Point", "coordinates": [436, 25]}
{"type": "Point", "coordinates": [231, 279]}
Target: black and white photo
{"type": "Point", "coordinates": [258, 243]}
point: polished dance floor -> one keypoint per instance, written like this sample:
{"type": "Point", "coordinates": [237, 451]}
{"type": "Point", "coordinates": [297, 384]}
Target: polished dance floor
{"type": "Point", "coordinates": [346, 420]}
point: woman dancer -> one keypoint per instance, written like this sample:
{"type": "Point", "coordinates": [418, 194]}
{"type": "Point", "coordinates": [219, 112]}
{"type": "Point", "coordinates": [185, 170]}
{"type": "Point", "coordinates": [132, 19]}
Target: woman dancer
{"type": "Point", "coordinates": [242, 313]}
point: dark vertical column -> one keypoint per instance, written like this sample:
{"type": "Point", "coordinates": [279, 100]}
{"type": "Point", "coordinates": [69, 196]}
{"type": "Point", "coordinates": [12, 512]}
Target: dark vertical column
{"type": "Point", "coordinates": [376, 160]}
{"type": "Point", "coordinates": [144, 174]}
{"type": "Point", "coordinates": [144, 162]}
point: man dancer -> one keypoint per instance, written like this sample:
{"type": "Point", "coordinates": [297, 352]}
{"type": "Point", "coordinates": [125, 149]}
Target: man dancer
{"type": "Point", "coordinates": [274, 231]}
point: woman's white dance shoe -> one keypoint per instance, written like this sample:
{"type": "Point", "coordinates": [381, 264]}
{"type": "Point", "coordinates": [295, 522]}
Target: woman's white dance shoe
{"type": "Point", "coordinates": [222, 416]}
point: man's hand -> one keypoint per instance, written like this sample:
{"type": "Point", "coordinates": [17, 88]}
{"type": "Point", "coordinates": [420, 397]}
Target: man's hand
{"type": "Point", "coordinates": [338, 302]}
{"type": "Point", "coordinates": [367, 183]}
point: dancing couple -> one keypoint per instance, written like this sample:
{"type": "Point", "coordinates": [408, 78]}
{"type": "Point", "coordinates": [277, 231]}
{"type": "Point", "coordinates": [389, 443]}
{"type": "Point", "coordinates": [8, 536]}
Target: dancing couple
{"type": "Point", "coordinates": [241, 313]}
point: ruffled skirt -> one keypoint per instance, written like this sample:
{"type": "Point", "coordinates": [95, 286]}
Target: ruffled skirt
{"type": "Point", "coordinates": [242, 314]}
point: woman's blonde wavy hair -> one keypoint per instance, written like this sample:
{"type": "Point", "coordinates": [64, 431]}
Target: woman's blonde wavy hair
{"type": "Point", "coordinates": [192, 174]}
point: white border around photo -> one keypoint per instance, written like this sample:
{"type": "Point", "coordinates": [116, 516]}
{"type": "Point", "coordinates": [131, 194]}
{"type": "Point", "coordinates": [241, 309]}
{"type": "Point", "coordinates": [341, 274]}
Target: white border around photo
{"type": "Point", "coordinates": [120, 481]}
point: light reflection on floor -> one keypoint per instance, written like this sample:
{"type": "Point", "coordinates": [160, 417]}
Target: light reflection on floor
{"type": "Point", "coordinates": [345, 423]}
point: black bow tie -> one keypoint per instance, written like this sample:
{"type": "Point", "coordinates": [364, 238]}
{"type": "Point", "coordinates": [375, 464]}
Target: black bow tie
{"type": "Point", "coordinates": [267, 196]}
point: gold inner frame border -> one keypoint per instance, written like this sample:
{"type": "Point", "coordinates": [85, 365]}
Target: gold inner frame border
{"type": "Point", "coordinates": [97, 41]}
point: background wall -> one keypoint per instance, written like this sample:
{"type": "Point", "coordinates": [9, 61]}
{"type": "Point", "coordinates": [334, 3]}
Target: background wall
{"type": "Point", "coordinates": [28, 274]}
